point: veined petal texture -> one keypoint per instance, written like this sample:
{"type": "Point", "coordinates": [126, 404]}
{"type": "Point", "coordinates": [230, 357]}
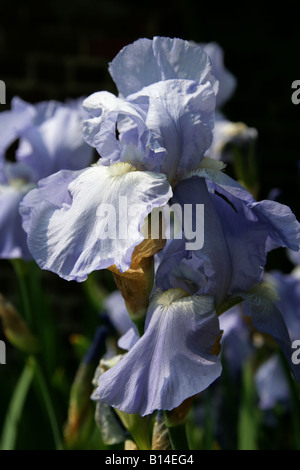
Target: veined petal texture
{"type": "Point", "coordinates": [172, 361]}
{"type": "Point", "coordinates": [102, 224]}
{"type": "Point", "coordinates": [165, 127]}
{"type": "Point", "coordinates": [14, 122]}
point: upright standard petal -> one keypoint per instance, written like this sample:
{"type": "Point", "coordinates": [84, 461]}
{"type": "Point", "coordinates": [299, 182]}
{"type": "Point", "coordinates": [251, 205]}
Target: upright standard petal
{"type": "Point", "coordinates": [165, 127]}
{"type": "Point", "coordinates": [118, 130]}
{"type": "Point", "coordinates": [149, 61]}
{"type": "Point", "coordinates": [172, 361]}
{"type": "Point", "coordinates": [102, 224]}
{"type": "Point", "coordinates": [181, 115]}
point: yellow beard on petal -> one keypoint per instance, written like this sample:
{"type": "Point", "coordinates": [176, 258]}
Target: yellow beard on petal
{"type": "Point", "coordinates": [120, 168]}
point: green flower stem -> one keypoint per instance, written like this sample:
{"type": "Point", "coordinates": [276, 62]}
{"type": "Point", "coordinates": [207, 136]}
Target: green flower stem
{"type": "Point", "coordinates": [42, 384]}
{"type": "Point", "coordinates": [20, 271]}
{"type": "Point", "coordinates": [23, 273]}
{"type": "Point", "coordinates": [15, 408]}
{"type": "Point", "coordinates": [32, 370]}
{"type": "Point", "coordinates": [139, 428]}
{"type": "Point", "coordinates": [140, 325]}
{"type": "Point", "coordinates": [248, 419]}
{"type": "Point", "coordinates": [178, 437]}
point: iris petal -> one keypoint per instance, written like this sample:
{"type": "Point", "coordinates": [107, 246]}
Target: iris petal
{"type": "Point", "coordinates": [90, 232]}
{"type": "Point", "coordinates": [171, 361]}
{"type": "Point", "coordinates": [149, 61]}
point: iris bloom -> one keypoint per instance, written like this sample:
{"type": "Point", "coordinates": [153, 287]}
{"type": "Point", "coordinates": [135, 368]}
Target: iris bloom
{"type": "Point", "coordinates": [158, 128]}
{"type": "Point", "coordinates": [49, 139]}
{"type": "Point", "coordinates": [152, 139]}
{"type": "Point", "coordinates": [176, 357]}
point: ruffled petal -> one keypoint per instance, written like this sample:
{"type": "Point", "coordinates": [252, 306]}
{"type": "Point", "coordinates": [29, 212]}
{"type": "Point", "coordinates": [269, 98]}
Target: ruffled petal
{"type": "Point", "coordinates": [117, 129]}
{"type": "Point", "coordinates": [181, 117]}
{"type": "Point", "coordinates": [53, 190]}
{"type": "Point", "coordinates": [283, 227]}
{"type": "Point", "coordinates": [172, 361]}
{"type": "Point", "coordinates": [251, 228]}
{"type": "Point", "coordinates": [149, 61]}
{"type": "Point", "coordinates": [92, 232]}
{"type": "Point", "coordinates": [165, 127]}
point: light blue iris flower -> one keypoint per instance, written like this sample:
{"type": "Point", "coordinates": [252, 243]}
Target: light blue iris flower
{"type": "Point", "coordinates": [49, 138]}
{"type": "Point", "coordinates": [152, 139]}
{"type": "Point", "coordinates": [168, 363]}
{"type": "Point", "coordinates": [157, 129]}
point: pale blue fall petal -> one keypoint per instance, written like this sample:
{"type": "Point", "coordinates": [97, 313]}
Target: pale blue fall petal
{"type": "Point", "coordinates": [102, 224]}
{"type": "Point", "coordinates": [172, 361]}
{"type": "Point", "coordinates": [149, 61]}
